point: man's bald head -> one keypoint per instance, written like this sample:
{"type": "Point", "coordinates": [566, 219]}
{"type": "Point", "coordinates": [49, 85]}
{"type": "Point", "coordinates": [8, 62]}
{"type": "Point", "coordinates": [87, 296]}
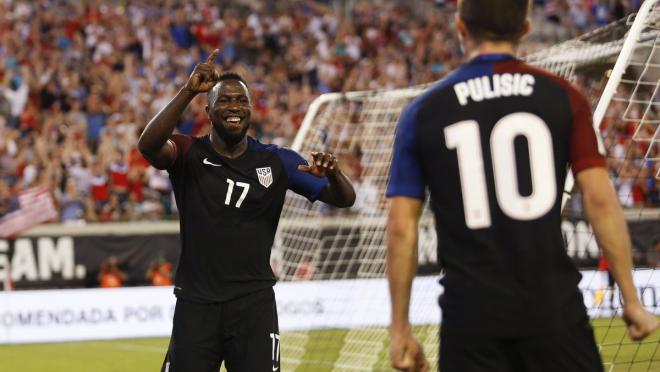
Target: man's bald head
{"type": "Point", "coordinates": [226, 76]}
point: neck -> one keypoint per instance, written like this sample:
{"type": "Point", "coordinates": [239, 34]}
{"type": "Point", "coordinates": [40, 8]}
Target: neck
{"type": "Point", "coordinates": [491, 47]}
{"type": "Point", "coordinates": [225, 149]}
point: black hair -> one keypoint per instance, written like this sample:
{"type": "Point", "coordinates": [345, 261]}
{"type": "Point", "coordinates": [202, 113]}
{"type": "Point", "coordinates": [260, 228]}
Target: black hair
{"type": "Point", "coordinates": [494, 20]}
{"type": "Point", "coordinates": [232, 75]}
{"type": "Point", "coordinates": [227, 75]}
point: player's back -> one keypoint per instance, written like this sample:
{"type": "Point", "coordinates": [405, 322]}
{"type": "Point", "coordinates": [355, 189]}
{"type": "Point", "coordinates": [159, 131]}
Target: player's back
{"type": "Point", "coordinates": [493, 142]}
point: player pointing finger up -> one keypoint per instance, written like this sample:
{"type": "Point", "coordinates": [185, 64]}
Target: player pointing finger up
{"type": "Point", "coordinates": [204, 76]}
{"type": "Point", "coordinates": [230, 190]}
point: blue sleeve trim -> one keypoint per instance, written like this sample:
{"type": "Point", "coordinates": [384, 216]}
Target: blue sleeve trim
{"type": "Point", "coordinates": [406, 171]}
{"type": "Point", "coordinates": [406, 177]}
{"type": "Point", "coordinates": [301, 183]}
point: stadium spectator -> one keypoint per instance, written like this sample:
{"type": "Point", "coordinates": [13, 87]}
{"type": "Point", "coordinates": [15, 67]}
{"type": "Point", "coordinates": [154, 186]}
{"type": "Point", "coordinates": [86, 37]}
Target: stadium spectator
{"type": "Point", "coordinates": [72, 204]}
{"type": "Point", "coordinates": [17, 97]}
{"type": "Point", "coordinates": [305, 269]}
{"type": "Point", "coordinates": [160, 273]}
{"type": "Point", "coordinates": [80, 79]}
{"type": "Point", "coordinates": [5, 198]}
{"type": "Point", "coordinates": [110, 275]}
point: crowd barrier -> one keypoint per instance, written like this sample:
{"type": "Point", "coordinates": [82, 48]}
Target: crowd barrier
{"type": "Point", "coordinates": [60, 256]}
{"type": "Point", "coordinates": [86, 314]}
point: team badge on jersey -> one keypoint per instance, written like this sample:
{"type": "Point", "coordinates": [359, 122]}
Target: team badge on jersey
{"type": "Point", "coordinates": [265, 176]}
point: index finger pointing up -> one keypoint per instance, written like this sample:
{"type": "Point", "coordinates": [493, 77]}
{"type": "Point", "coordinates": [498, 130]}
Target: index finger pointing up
{"type": "Point", "coordinates": [212, 56]}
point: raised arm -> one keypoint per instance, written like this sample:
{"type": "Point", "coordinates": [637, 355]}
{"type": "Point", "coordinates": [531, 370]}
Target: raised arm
{"type": "Point", "coordinates": [153, 143]}
{"type": "Point", "coordinates": [605, 216]}
{"type": "Point", "coordinates": [339, 192]}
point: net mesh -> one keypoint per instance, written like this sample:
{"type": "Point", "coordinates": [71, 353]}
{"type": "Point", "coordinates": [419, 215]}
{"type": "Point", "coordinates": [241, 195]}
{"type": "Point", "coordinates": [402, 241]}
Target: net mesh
{"type": "Point", "coordinates": [319, 243]}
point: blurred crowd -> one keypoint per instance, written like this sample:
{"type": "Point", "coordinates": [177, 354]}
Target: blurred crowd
{"type": "Point", "coordinates": [80, 79]}
{"type": "Point", "coordinates": [579, 16]}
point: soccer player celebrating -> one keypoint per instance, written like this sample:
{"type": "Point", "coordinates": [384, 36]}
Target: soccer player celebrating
{"type": "Point", "coordinates": [230, 190]}
{"type": "Point", "coordinates": [492, 143]}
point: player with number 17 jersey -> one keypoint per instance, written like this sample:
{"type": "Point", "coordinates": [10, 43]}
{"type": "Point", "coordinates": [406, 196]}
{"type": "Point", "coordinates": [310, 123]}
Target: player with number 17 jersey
{"type": "Point", "coordinates": [229, 211]}
{"type": "Point", "coordinates": [493, 142]}
{"type": "Point", "coordinates": [230, 190]}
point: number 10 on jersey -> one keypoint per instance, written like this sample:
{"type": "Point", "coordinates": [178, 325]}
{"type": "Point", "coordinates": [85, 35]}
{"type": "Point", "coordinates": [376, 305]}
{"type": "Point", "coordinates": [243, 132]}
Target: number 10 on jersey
{"type": "Point", "coordinates": [465, 138]}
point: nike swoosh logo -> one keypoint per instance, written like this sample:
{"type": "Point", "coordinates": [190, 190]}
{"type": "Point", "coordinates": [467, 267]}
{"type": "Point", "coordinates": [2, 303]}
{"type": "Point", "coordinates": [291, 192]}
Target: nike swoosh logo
{"type": "Point", "coordinates": [206, 161]}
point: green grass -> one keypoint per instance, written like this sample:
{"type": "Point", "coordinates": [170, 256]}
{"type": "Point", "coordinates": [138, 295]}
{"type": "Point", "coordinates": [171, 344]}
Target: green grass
{"type": "Point", "coordinates": [98, 356]}
{"type": "Point", "coordinates": [317, 351]}
{"type": "Point", "coordinates": [621, 354]}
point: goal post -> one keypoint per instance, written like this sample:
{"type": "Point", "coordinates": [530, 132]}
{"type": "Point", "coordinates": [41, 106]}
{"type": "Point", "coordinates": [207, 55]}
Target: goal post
{"type": "Point", "coordinates": [566, 57]}
{"type": "Point", "coordinates": [335, 259]}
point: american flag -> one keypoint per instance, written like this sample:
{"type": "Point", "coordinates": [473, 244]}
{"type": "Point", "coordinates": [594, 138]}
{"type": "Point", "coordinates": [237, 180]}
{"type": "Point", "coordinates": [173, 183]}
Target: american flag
{"type": "Point", "coordinates": [35, 207]}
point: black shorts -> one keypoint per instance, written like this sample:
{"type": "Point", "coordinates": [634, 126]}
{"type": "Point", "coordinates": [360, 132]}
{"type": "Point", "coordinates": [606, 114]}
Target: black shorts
{"type": "Point", "coordinates": [572, 349]}
{"type": "Point", "coordinates": [243, 333]}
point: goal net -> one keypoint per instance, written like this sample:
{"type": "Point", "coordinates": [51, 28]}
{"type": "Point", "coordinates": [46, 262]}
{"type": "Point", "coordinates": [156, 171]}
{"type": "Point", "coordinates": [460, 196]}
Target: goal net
{"type": "Point", "coordinates": [335, 259]}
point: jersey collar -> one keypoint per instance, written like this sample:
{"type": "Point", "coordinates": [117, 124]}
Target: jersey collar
{"type": "Point", "coordinates": [207, 141]}
{"type": "Point", "coordinates": [492, 57]}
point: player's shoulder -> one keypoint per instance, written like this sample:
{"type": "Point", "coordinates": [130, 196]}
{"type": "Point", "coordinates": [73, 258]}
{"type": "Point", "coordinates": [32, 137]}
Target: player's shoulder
{"type": "Point", "coordinates": [258, 146]}
{"type": "Point", "coordinates": [519, 66]}
{"type": "Point", "coordinates": [183, 143]}
{"type": "Point", "coordinates": [187, 139]}
{"type": "Point", "coordinates": [444, 88]}
{"type": "Point", "coordinates": [285, 154]}
{"type": "Point", "coordinates": [178, 137]}
{"type": "Point", "coordinates": [435, 94]}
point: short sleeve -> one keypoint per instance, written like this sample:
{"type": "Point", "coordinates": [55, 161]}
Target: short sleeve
{"type": "Point", "coordinates": [584, 152]}
{"type": "Point", "coordinates": [406, 171]}
{"type": "Point", "coordinates": [300, 182]}
{"type": "Point", "coordinates": [181, 144]}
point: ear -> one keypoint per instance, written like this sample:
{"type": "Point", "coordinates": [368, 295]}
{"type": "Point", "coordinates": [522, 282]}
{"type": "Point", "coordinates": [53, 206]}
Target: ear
{"type": "Point", "coordinates": [461, 27]}
{"type": "Point", "coordinates": [527, 27]}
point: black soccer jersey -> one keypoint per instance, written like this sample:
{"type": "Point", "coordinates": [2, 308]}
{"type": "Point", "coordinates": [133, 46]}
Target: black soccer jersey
{"type": "Point", "coordinates": [229, 210]}
{"type": "Point", "coordinates": [492, 143]}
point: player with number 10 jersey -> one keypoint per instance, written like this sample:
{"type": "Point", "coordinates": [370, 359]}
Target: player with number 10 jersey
{"type": "Point", "coordinates": [500, 134]}
{"type": "Point", "coordinates": [492, 143]}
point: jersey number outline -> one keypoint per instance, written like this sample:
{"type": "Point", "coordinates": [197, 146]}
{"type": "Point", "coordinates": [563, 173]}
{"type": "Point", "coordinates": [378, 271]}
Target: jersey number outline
{"type": "Point", "coordinates": [276, 351]}
{"type": "Point", "coordinates": [230, 190]}
{"type": "Point", "coordinates": [464, 136]}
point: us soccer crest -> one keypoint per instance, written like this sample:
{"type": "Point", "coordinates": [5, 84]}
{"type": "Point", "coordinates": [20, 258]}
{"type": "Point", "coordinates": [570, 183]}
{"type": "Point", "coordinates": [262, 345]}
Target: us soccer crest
{"type": "Point", "coordinates": [265, 176]}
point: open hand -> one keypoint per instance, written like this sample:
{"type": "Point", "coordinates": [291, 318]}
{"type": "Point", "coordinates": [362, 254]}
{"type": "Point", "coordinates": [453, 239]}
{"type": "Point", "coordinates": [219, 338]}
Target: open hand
{"type": "Point", "coordinates": [323, 164]}
{"type": "Point", "coordinates": [204, 76]}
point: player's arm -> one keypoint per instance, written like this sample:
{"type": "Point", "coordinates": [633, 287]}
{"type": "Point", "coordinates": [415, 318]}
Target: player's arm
{"type": "Point", "coordinates": [339, 191]}
{"type": "Point", "coordinates": [604, 214]}
{"type": "Point", "coordinates": [606, 218]}
{"type": "Point", "coordinates": [406, 189]}
{"type": "Point", "coordinates": [402, 234]}
{"type": "Point", "coordinates": [153, 143]}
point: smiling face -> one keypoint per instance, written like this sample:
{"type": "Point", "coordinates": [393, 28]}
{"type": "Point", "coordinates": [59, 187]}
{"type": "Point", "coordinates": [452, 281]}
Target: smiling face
{"type": "Point", "coordinates": [229, 110]}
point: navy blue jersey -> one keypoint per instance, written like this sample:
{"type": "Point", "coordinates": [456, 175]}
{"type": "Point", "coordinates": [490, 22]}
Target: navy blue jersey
{"type": "Point", "coordinates": [229, 210]}
{"type": "Point", "coordinates": [491, 144]}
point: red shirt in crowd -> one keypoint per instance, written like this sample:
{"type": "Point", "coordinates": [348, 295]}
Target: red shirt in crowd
{"type": "Point", "coordinates": [119, 176]}
{"type": "Point", "coordinates": [99, 188]}
{"type": "Point", "coordinates": [161, 275]}
{"type": "Point", "coordinates": [111, 279]}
